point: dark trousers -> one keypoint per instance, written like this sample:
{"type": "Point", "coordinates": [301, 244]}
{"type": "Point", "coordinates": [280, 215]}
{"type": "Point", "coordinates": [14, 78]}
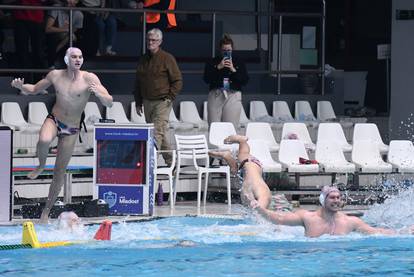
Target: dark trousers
{"type": "Point", "coordinates": [90, 35]}
{"type": "Point", "coordinates": [26, 32]}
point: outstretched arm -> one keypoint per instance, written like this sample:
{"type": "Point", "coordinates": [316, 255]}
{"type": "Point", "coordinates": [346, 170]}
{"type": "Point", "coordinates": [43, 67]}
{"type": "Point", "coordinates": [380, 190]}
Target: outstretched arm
{"type": "Point", "coordinates": [283, 218]}
{"type": "Point", "coordinates": [362, 227]}
{"type": "Point", "coordinates": [32, 89]}
{"type": "Point", "coordinates": [99, 90]}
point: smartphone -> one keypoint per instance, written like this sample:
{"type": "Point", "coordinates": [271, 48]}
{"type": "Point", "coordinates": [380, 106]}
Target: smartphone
{"type": "Point", "coordinates": [227, 55]}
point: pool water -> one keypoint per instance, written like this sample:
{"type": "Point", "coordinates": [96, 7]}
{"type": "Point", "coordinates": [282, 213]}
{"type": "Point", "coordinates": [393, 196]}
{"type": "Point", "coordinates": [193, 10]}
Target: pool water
{"type": "Point", "coordinates": [208, 246]}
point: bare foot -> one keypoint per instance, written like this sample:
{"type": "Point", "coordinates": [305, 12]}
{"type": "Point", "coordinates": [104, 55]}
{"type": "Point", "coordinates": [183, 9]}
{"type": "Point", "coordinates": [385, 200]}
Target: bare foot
{"type": "Point", "coordinates": [226, 155]}
{"type": "Point", "coordinates": [35, 173]}
{"type": "Point", "coordinates": [235, 139]}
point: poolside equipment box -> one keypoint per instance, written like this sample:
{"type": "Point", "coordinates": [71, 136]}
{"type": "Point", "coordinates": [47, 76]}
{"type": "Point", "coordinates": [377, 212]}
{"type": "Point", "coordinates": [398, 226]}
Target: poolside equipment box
{"type": "Point", "coordinates": [124, 164]}
{"type": "Point", "coordinates": [6, 184]}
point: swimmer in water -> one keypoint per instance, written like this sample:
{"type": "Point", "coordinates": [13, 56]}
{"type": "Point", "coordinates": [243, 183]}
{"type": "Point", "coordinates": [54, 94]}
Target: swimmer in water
{"type": "Point", "coordinates": [253, 186]}
{"type": "Point", "coordinates": [69, 221]}
{"type": "Point", "coordinates": [326, 220]}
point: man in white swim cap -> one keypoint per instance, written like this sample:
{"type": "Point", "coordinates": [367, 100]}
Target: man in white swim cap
{"type": "Point", "coordinates": [73, 88]}
{"type": "Point", "coordinates": [326, 190]}
{"type": "Point", "coordinates": [326, 220]}
{"type": "Point", "coordinates": [69, 220]}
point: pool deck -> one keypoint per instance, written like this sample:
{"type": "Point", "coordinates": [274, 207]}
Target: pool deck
{"type": "Point", "coordinates": [188, 208]}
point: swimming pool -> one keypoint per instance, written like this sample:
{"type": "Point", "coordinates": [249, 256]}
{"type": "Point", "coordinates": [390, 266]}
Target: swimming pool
{"type": "Point", "coordinates": [219, 247]}
{"type": "Point", "coordinates": [201, 246]}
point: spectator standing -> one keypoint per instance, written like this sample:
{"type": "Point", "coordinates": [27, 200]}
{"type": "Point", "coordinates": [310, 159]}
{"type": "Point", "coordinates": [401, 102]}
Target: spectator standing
{"type": "Point", "coordinates": [107, 26]}
{"type": "Point", "coordinates": [157, 20]}
{"type": "Point", "coordinates": [90, 32]}
{"type": "Point", "coordinates": [29, 28]}
{"type": "Point", "coordinates": [57, 29]}
{"type": "Point", "coordinates": [225, 76]}
{"type": "Point", "coordinates": [158, 81]}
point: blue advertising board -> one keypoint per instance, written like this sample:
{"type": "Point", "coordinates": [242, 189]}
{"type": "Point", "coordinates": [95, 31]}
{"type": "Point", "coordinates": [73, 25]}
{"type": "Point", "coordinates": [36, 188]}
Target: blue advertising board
{"type": "Point", "coordinates": [121, 134]}
{"type": "Point", "coordinates": [122, 199]}
{"type": "Point", "coordinates": [124, 165]}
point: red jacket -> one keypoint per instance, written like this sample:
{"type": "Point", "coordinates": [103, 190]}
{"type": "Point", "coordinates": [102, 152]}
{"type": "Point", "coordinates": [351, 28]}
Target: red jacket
{"type": "Point", "coordinates": [29, 15]}
{"type": "Point", "coordinates": [155, 17]}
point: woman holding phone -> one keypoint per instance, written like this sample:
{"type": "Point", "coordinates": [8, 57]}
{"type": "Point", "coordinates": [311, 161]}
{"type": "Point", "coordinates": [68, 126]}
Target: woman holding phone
{"type": "Point", "coordinates": [225, 76]}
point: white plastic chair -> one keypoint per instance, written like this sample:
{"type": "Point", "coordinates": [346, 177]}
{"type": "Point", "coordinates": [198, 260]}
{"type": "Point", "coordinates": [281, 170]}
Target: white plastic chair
{"type": "Point", "coordinates": [281, 110]}
{"type": "Point", "coordinates": [257, 110]}
{"type": "Point", "coordinates": [259, 149]}
{"type": "Point", "coordinates": [167, 170]}
{"type": "Point", "coordinates": [37, 113]}
{"type": "Point", "coordinates": [325, 112]}
{"type": "Point", "coordinates": [175, 124]}
{"type": "Point", "coordinates": [303, 111]}
{"type": "Point", "coordinates": [298, 128]}
{"type": "Point", "coordinates": [244, 120]}
{"type": "Point", "coordinates": [218, 132]}
{"type": "Point", "coordinates": [289, 153]}
{"type": "Point", "coordinates": [134, 115]}
{"type": "Point", "coordinates": [333, 132]}
{"type": "Point", "coordinates": [92, 115]}
{"type": "Point", "coordinates": [189, 114]}
{"type": "Point", "coordinates": [195, 148]}
{"type": "Point", "coordinates": [331, 158]}
{"type": "Point", "coordinates": [262, 131]}
{"type": "Point", "coordinates": [12, 116]}
{"type": "Point", "coordinates": [367, 158]}
{"type": "Point", "coordinates": [117, 113]}
{"type": "Point", "coordinates": [369, 131]}
{"type": "Point", "coordinates": [401, 155]}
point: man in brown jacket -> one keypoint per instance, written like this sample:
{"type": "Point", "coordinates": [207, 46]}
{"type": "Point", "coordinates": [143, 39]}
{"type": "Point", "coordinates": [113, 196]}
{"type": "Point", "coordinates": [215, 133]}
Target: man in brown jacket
{"type": "Point", "coordinates": [158, 82]}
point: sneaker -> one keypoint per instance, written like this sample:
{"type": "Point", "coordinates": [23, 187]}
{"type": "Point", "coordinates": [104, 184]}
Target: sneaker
{"type": "Point", "coordinates": [109, 51]}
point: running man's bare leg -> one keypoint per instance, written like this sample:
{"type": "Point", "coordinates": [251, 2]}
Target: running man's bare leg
{"type": "Point", "coordinates": [47, 134]}
{"type": "Point", "coordinates": [65, 148]}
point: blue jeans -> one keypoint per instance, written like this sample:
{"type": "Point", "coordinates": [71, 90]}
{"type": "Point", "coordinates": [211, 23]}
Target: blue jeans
{"type": "Point", "coordinates": [107, 32]}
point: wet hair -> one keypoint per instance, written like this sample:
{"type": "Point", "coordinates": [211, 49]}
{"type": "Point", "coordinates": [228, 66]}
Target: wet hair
{"type": "Point", "coordinates": [155, 32]}
{"type": "Point", "coordinates": [226, 39]}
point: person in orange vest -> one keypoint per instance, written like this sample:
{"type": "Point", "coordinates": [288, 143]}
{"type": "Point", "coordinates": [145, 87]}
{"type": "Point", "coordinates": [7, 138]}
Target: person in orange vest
{"type": "Point", "coordinates": [157, 20]}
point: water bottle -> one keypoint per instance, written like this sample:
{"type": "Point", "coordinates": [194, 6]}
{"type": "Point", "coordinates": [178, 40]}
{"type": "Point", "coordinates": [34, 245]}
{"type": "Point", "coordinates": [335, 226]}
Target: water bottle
{"type": "Point", "coordinates": [160, 195]}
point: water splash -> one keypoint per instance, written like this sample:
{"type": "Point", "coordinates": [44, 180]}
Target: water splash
{"type": "Point", "coordinates": [397, 211]}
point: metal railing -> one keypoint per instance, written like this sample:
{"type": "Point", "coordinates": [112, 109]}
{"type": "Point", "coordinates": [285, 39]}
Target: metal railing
{"type": "Point", "coordinates": [270, 15]}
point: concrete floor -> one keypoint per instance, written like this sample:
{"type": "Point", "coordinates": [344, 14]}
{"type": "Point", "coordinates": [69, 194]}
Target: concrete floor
{"type": "Point", "coordinates": [188, 208]}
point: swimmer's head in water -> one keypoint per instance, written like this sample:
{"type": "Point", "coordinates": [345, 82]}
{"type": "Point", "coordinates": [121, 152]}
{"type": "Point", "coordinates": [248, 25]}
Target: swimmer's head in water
{"type": "Point", "coordinates": [73, 58]}
{"type": "Point", "coordinates": [326, 190]}
{"type": "Point", "coordinates": [68, 220]}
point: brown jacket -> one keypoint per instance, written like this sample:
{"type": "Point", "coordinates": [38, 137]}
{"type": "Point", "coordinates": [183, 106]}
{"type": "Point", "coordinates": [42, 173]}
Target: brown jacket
{"type": "Point", "coordinates": [158, 77]}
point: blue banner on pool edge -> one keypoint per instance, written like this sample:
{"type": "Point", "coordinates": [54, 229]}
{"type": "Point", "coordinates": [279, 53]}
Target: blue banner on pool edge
{"type": "Point", "coordinates": [122, 199]}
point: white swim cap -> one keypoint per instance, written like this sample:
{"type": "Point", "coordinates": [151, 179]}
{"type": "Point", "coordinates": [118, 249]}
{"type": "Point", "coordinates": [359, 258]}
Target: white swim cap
{"type": "Point", "coordinates": [326, 190]}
